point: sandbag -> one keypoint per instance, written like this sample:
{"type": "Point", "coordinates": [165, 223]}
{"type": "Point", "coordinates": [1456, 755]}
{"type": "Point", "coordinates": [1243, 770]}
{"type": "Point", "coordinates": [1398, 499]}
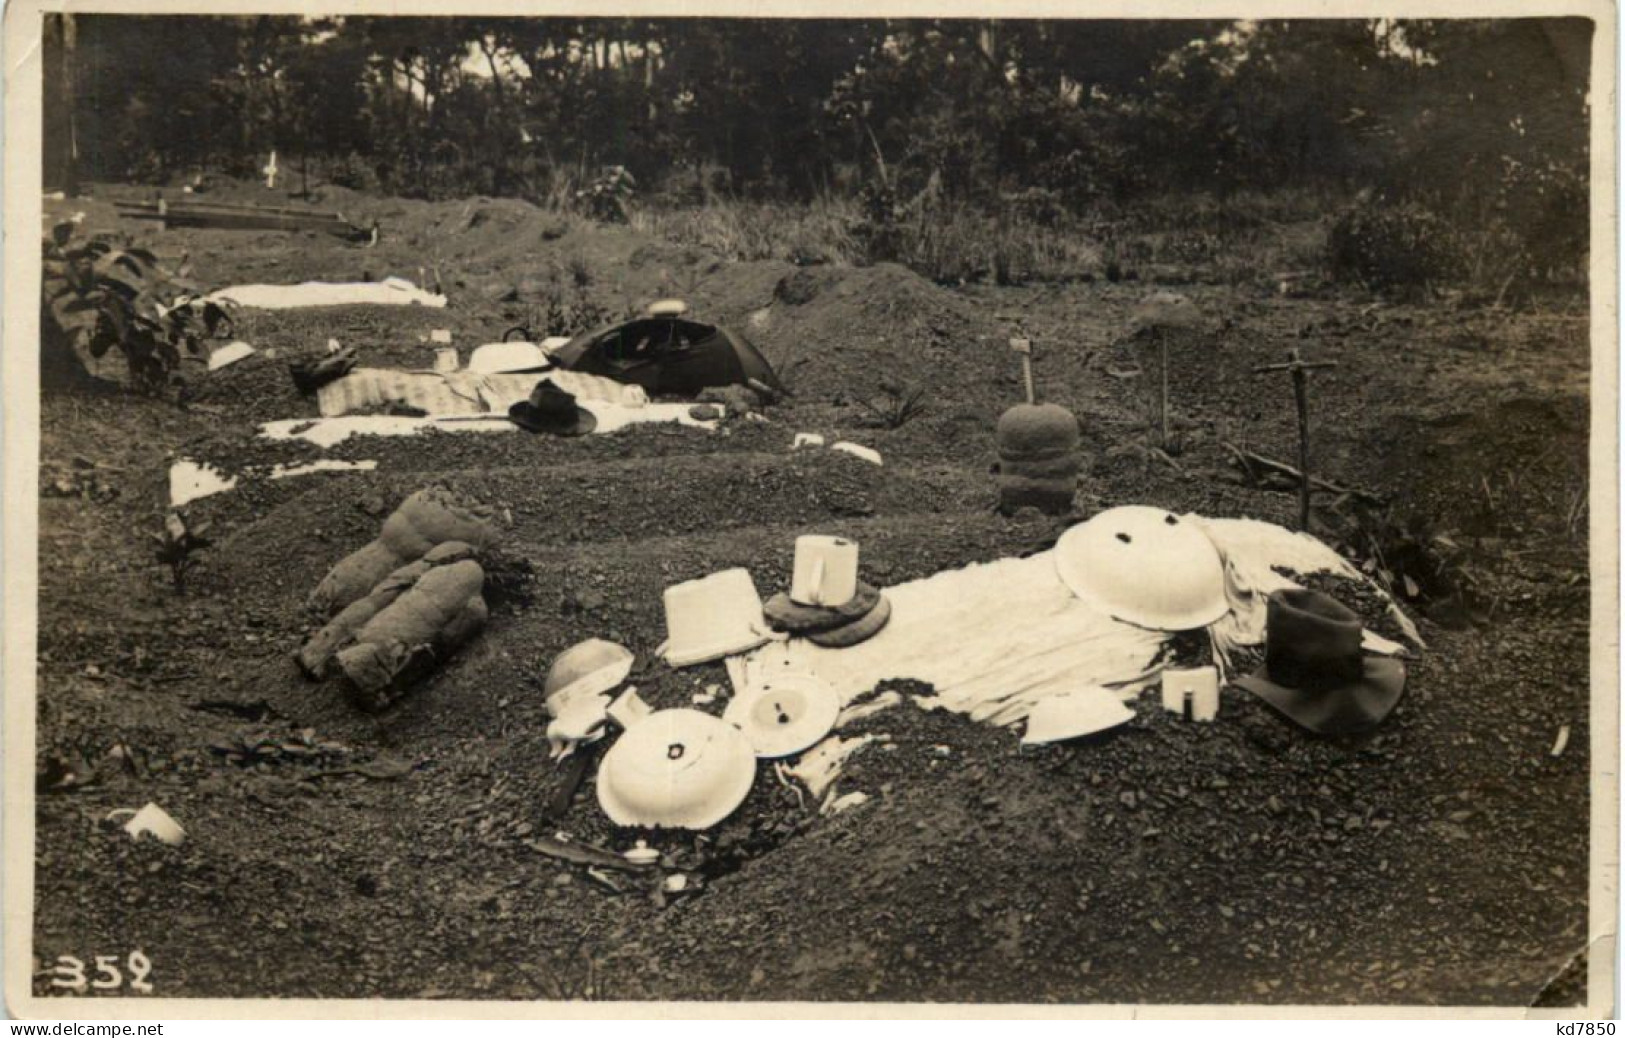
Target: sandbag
{"type": "Point", "coordinates": [1037, 431]}
{"type": "Point", "coordinates": [354, 576]}
{"type": "Point", "coordinates": [424, 521]}
{"type": "Point", "coordinates": [1050, 496]}
{"type": "Point", "coordinates": [1053, 468]}
{"type": "Point", "coordinates": [418, 615]}
{"type": "Point", "coordinates": [450, 551]}
{"type": "Point", "coordinates": [315, 653]}
{"type": "Point", "coordinates": [434, 516]}
{"type": "Point", "coordinates": [377, 674]}
{"type": "Point", "coordinates": [402, 642]}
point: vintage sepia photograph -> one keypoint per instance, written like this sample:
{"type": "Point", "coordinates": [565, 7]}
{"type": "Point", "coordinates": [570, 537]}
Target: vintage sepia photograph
{"type": "Point", "coordinates": [895, 508]}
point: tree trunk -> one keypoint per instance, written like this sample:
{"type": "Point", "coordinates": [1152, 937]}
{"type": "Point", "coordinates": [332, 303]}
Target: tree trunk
{"type": "Point", "coordinates": [70, 42]}
{"type": "Point", "coordinates": [649, 80]}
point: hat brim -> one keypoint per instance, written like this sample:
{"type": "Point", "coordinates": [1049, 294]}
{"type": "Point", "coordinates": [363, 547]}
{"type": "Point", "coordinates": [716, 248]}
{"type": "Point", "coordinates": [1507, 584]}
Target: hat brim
{"type": "Point", "coordinates": [525, 415]}
{"type": "Point", "coordinates": [1356, 707]}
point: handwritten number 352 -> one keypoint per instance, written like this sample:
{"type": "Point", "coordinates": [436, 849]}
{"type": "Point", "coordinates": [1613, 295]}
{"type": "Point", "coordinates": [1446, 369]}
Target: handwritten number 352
{"type": "Point", "coordinates": [70, 973]}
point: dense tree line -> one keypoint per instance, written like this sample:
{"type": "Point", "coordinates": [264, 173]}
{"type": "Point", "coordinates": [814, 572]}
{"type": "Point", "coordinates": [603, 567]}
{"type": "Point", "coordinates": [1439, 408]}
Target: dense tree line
{"type": "Point", "coordinates": [1467, 117]}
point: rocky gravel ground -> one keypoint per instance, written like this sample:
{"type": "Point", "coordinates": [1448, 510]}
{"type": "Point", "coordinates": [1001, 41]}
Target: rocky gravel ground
{"type": "Point", "coordinates": [1441, 860]}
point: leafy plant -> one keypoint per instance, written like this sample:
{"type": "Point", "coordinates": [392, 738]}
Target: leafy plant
{"type": "Point", "coordinates": [561, 317]}
{"type": "Point", "coordinates": [896, 405]}
{"type": "Point", "coordinates": [177, 545]}
{"type": "Point", "coordinates": [1415, 561]}
{"type": "Point", "coordinates": [608, 198]}
{"type": "Point", "coordinates": [96, 297]}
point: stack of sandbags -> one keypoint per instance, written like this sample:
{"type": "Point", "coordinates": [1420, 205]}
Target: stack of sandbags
{"type": "Point", "coordinates": [1038, 458]}
{"type": "Point", "coordinates": [428, 518]}
{"type": "Point", "coordinates": [315, 655]}
{"type": "Point", "coordinates": [415, 617]}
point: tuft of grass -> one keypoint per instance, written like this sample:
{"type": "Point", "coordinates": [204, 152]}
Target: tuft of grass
{"type": "Point", "coordinates": [819, 232]}
{"type": "Point", "coordinates": [896, 405]}
{"type": "Point", "coordinates": [1240, 239]}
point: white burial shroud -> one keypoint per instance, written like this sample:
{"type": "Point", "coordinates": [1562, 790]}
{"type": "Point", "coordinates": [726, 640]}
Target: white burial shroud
{"type": "Point", "coordinates": [996, 638]}
{"type": "Point", "coordinates": [388, 292]}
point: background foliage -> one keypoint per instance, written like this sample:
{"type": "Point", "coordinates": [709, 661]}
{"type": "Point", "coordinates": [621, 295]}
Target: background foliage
{"type": "Point", "coordinates": [1480, 126]}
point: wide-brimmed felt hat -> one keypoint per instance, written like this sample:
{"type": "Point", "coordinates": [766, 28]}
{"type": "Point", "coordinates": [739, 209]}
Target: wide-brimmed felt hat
{"type": "Point", "coordinates": [552, 410]}
{"type": "Point", "coordinates": [1314, 670]}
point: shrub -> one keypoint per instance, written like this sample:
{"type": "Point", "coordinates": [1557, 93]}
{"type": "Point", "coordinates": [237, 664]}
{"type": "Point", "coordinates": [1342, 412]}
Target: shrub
{"type": "Point", "coordinates": [1401, 247]}
{"type": "Point", "coordinates": [608, 198]}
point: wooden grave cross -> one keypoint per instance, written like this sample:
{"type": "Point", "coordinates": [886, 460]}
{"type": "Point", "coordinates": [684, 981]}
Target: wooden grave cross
{"type": "Point", "coordinates": [1299, 369]}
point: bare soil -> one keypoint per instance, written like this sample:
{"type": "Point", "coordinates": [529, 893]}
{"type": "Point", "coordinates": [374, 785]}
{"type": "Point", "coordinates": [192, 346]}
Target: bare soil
{"type": "Point", "coordinates": [1442, 860]}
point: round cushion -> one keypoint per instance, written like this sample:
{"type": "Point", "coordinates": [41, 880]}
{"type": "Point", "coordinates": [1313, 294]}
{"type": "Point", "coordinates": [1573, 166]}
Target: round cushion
{"type": "Point", "coordinates": [785, 614]}
{"type": "Point", "coordinates": [857, 631]}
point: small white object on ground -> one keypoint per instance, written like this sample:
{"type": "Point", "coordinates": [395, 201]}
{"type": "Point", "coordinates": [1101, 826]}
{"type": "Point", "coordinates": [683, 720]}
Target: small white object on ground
{"type": "Point", "coordinates": [442, 336]}
{"type": "Point", "coordinates": [806, 440]}
{"type": "Point", "coordinates": [153, 821]}
{"type": "Point", "coordinates": [446, 360]}
{"type": "Point", "coordinates": [1562, 742]}
{"type": "Point", "coordinates": [642, 854]}
{"type": "Point", "coordinates": [322, 465]}
{"type": "Point", "coordinates": [834, 805]}
{"type": "Point", "coordinates": [581, 721]}
{"type": "Point", "coordinates": [230, 353]}
{"type": "Point", "coordinates": [1199, 684]}
{"type": "Point", "coordinates": [628, 708]}
{"type": "Point", "coordinates": [189, 481]}
{"type": "Point", "coordinates": [821, 765]}
{"type": "Point", "coordinates": [738, 680]}
{"type": "Point", "coordinates": [868, 454]}
{"type": "Point", "coordinates": [1072, 715]}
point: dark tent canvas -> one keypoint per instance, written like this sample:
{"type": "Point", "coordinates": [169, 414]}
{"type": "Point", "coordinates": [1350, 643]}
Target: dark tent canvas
{"type": "Point", "coordinates": [667, 356]}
